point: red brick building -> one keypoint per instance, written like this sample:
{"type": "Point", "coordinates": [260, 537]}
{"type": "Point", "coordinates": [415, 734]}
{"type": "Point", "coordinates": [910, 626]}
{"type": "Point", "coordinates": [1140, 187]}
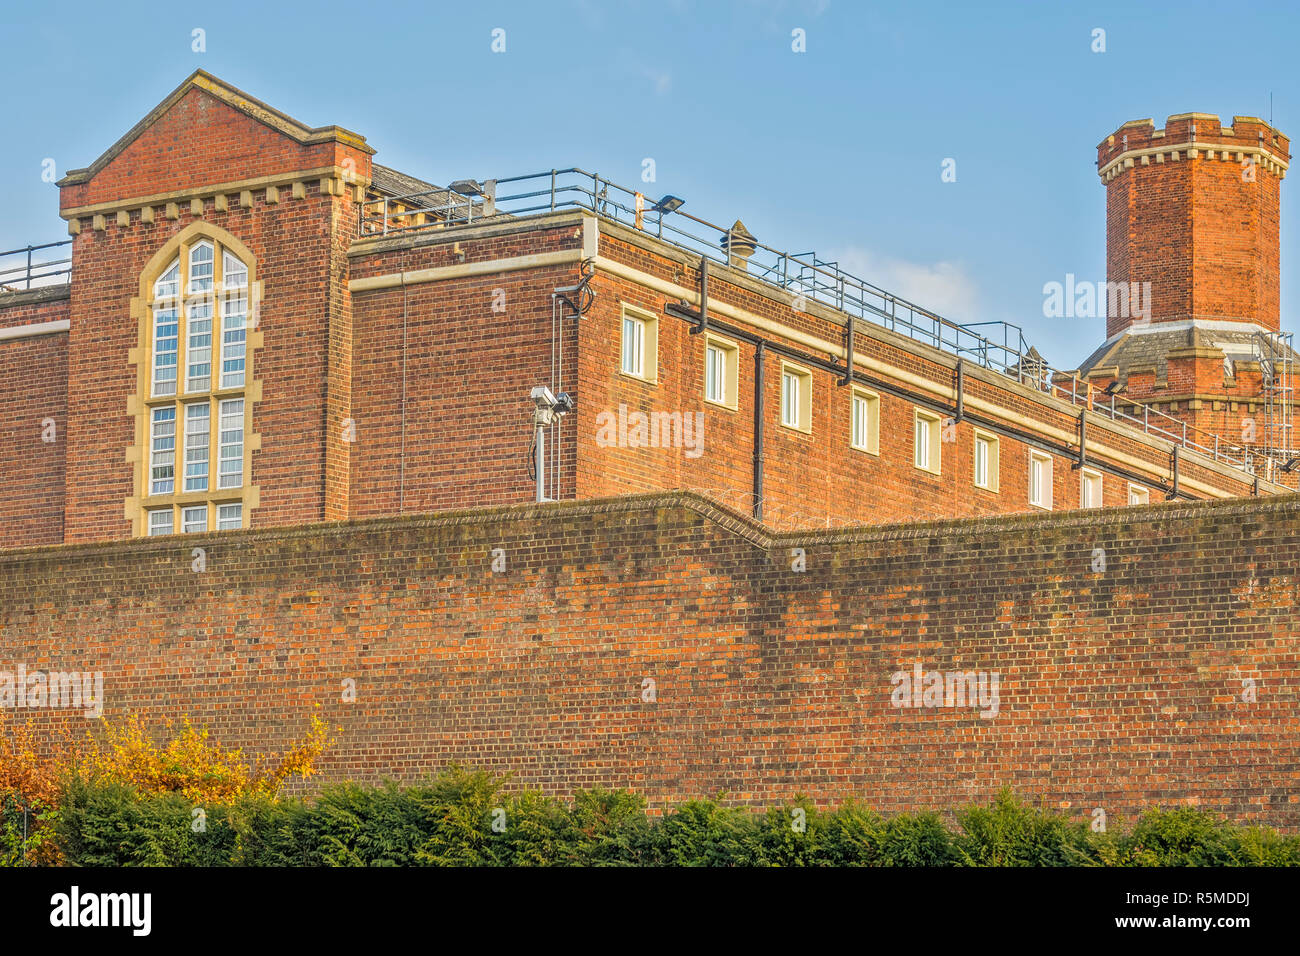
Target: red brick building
{"type": "Point", "coordinates": [1192, 222]}
{"type": "Point", "coordinates": [262, 327]}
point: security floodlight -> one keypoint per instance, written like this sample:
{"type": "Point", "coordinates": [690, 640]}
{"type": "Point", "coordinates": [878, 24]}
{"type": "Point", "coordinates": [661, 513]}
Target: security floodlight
{"type": "Point", "coordinates": [1114, 388]}
{"type": "Point", "coordinates": [547, 408]}
{"type": "Point", "coordinates": [467, 187]}
{"type": "Point", "coordinates": [1291, 465]}
{"type": "Point", "coordinates": [669, 203]}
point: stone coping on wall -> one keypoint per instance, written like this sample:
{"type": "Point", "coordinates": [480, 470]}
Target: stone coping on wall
{"type": "Point", "coordinates": [760, 536]}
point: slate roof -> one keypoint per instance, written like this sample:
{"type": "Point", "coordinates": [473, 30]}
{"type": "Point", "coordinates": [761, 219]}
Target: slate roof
{"type": "Point", "coordinates": [1149, 349]}
{"type": "Point", "coordinates": [387, 181]}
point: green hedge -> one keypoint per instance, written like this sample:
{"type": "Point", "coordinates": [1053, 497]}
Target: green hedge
{"type": "Point", "coordinates": [464, 818]}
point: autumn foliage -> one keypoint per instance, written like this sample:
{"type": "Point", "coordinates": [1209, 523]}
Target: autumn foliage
{"type": "Point", "coordinates": [34, 778]}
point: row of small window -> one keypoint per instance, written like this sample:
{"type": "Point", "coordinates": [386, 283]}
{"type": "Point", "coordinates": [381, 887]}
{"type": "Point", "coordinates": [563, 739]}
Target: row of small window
{"type": "Point", "coordinates": [198, 439]}
{"type": "Point", "coordinates": [639, 359]}
{"type": "Point", "coordinates": [197, 311]}
{"type": "Point", "coordinates": [195, 518]}
{"type": "Point", "coordinates": [640, 347]}
{"type": "Point", "coordinates": [986, 466]}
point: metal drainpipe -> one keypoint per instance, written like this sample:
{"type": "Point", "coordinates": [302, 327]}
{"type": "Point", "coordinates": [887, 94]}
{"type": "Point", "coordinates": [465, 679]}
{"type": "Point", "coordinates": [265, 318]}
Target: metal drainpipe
{"type": "Point", "coordinates": [961, 390]}
{"type": "Point", "coordinates": [1083, 438]}
{"type": "Point", "coordinates": [401, 478]}
{"type": "Point", "coordinates": [1174, 493]}
{"type": "Point", "coordinates": [703, 325]}
{"type": "Point", "coordinates": [539, 445]}
{"type": "Point", "coordinates": [760, 354]}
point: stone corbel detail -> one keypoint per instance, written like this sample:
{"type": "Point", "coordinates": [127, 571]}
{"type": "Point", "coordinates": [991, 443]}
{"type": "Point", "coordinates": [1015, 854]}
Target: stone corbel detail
{"type": "Point", "coordinates": [146, 214]}
{"type": "Point", "coordinates": [220, 203]}
{"type": "Point", "coordinates": [74, 227]}
{"type": "Point", "coordinates": [334, 181]}
{"type": "Point", "coordinates": [123, 219]}
{"type": "Point", "coordinates": [1261, 156]}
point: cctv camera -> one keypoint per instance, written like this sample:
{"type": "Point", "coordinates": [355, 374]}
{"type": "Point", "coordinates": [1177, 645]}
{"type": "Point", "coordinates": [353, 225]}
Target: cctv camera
{"type": "Point", "coordinates": [543, 397]}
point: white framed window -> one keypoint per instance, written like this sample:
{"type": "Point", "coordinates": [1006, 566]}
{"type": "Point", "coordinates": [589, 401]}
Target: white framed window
{"type": "Point", "coordinates": [196, 329]}
{"type": "Point", "coordinates": [198, 346]}
{"type": "Point", "coordinates": [721, 371]}
{"type": "Point", "coordinates": [194, 518]}
{"type": "Point", "coordinates": [1040, 480]}
{"type": "Point", "coordinates": [234, 321]}
{"type": "Point", "coordinates": [166, 330]}
{"type": "Point", "coordinates": [202, 262]}
{"type": "Point", "coordinates": [926, 437]}
{"type": "Point", "coordinates": [231, 435]}
{"type": "Point", "coordinates": [790, 383]}
{"type": "Point", "coordinates": [198, 431]}
{"type": "Point", "coordinates": [640, 343]}
{"type": "Point", "coordinates": [796, 397]}
{"type": "Point", "coordinates": [230, 517]}
{"type": "Point", "coordinates": [162, 450]}
{"type": "Point", "coordinates": [633, 346]}
{"type": "Point", "coordinates": [864, 421]}
{"type": "Point", "coordinates": [715, 373]}
{"type": "Point", "coordinates": [1090, 489]}
{"type": "Point", "coordinates": [1137, 495]}
{"type": "Point", "coordinates": [987, 466]}
{"type": "Point", "coordinates": [160, 521]}
{"type": "Point", "coordinates": [168, 285]}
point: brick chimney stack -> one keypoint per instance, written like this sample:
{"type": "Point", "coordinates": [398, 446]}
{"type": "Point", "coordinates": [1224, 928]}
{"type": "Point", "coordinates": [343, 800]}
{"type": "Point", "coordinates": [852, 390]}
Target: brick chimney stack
{"type": "Point", "coordinates": [1192, 209]}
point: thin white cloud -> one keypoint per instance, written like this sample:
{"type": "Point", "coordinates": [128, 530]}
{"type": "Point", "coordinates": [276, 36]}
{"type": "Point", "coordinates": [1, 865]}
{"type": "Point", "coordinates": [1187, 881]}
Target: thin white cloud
{"type": "Point", "coordinates": [663, 82]}
{"type": "Point", "coordinates": [942, 287]}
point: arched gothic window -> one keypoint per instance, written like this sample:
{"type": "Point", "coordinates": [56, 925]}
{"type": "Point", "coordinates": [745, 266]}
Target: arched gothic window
{"type": "Point", "coordinates": [195, 461]}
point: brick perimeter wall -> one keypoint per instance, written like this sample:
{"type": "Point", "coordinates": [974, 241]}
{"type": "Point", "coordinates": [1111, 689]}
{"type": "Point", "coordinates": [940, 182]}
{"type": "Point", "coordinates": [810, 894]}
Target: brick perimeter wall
{"type": "Point", "coordinates": [1117, 688]}
{"type": "Point", "coordinates": [33, 392]}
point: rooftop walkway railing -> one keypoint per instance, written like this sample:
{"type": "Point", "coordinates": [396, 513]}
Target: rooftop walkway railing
{"type": "Point", "coordinates": [19, 271]}
{"type": "Point", "coordinates": [999, 346]}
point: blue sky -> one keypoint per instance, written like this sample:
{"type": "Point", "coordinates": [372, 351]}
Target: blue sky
{"type": "Point", "coordinates": [837, 149]}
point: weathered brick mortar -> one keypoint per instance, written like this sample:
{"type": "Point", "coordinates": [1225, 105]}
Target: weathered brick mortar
{"type": "Point", "coordinates": [1118, 688]}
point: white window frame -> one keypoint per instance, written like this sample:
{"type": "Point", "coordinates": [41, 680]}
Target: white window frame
{"type": "Point", "coordinates": [234, 322]}
{"type": "Point", "coordinates": [224, 523]}
{"type": "Point", "coordinates": [639, 356]}
{"type": "Point", "coordinates": [154, 527]}
{"type": "Point", "coordinates": [864, 411]}
{"type": "Point", "coordinates": [993, 464]}
{"type": "Point", "coordinates": [721, 367]}
{"type": "Point", "coordinates": [1044, 498]}
{"type": "Point", "coordinates": [166, 302]}
{"type": "Point", "coordinates": [927, 442]}
{"type": "Point", "coordinates": [193, 446]}
{"type": "Point", "coordinates": [796, 398]}
{"type": "Point", "coordinates": [223, 445]}
{"type": "Point", "coordinates": [195, 282]}
{"type": "Point", "coordinates": [1138, 495]}
{"type": "Point", "coordinates": [187, 512]}
{"type": "Point", "coordinates": [198, 352]}
{"type": "Point", "coordinates": [1090, 479]}
{"type": "Point", "coordinates": [157, 454]}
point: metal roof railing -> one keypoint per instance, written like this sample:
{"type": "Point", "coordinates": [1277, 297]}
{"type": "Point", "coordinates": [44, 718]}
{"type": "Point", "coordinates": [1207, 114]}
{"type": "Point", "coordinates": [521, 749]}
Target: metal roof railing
{"type": "Point", "coordinates": [995, 345]}
{"type": "Point", "coordinates": [19, 272]}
